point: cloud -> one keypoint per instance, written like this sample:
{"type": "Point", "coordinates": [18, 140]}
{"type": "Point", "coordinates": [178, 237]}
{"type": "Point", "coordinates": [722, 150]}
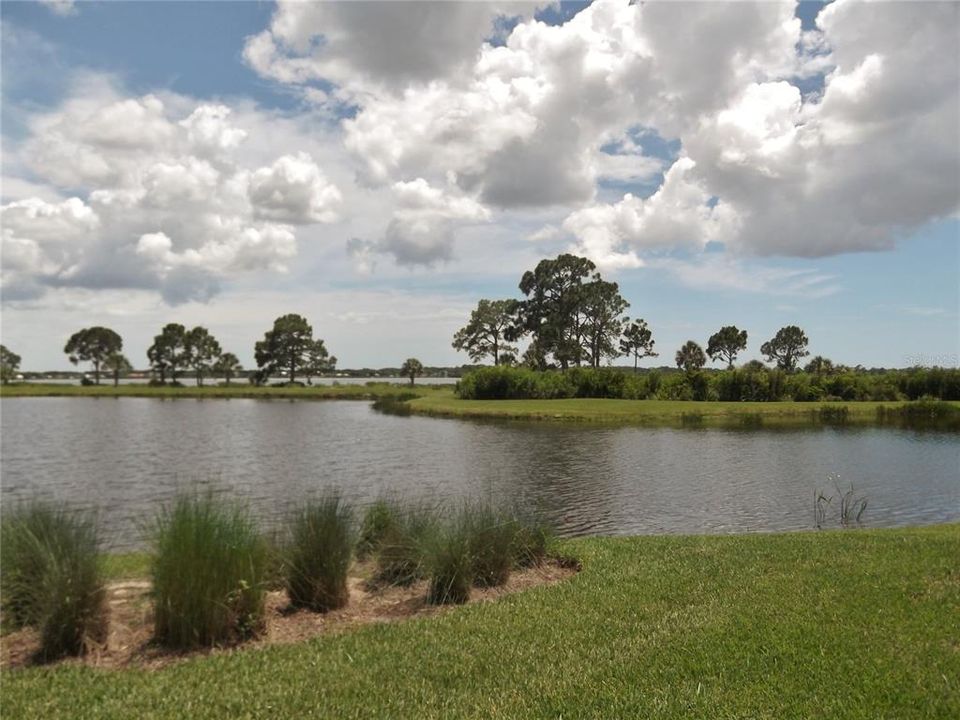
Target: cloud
{"type": "Point", "coordinates": [714, 272]}
{"type": "Point", "coordinates": [383, 45]}
{"type": "Point", "coordinates": [167, 197]}
{"type": "Point", "coordinates": [63, 8]}
{"type": "Point", "coordinates": [678, 214]}
{"type": "Point", "coordinates": [422, 228]}
{"type": "Point", "coordinates": [294, 190]}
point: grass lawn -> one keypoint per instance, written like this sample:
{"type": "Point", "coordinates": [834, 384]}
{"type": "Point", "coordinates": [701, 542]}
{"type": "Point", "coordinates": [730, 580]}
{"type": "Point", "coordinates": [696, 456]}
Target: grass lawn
{"type": "Point", "coordinates": [843, 624]}
{"type": "Point", "coordinates": [444, 403]}
{"type": "Point", "coordinates": [211, 390]}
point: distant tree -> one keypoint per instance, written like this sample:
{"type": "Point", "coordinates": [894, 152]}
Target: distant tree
{"type": "Point", "coordinates": [552, 312]}
{"type": "Point", "coordinates": [93, 344]}
{"type": "Point", "coordinates": [601, 308]}
{"type": "Point", "coordinates": [819, 365]}
{"type": "Point", "coordinates": [486, 332]}
{"type": "Point", "coordinates": [727, 343]}
{"type": "Point", "coordinates": [754, 366]}
{"type": "Point", "coordinates": [9, 364]}
{"type": "Point", "coordinates": [227, 366]}
{"type": "Point", "coordinates": [786, 347]}
{"type": "Point", "coordinates": [319, 361]}
{"type": "Point", "coordinates": [411, 368]}
{"type": "Point", "coordinates": [117, 364]}
{"type": "Point", "coordinates": [690, 358]}
{"type": "Point", "coordinates": [508, 359]}
{"type": "Point", "coordinates": [201, 351]}
{"type": "Point", "coordinates": [534, 357]}
{"type": "Point", "coordinates": [637, 341]}
{"type": "Point", "coordinates": [168, 352]}
{"type": "Point", "coordinates": [285, 348]}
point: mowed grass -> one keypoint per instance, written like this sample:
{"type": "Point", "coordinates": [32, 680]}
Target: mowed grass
{"type": "Point", "coordinates": [844, 624]}
{"type": "Point", "coordinates": [235, 390]}
{"type": "Point", "coordinates": [444, 403]}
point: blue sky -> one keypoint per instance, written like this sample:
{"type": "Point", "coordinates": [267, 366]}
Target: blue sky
{"type": "Point", "coordinates": [386, 189]}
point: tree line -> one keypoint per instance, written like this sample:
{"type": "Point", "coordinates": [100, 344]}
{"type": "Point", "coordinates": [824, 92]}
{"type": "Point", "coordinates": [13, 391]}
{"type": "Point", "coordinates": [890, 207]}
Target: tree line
{"type": "Point", "coordinates": [287, 349]}
{"type": "Point", "coordinates": [574, 317]}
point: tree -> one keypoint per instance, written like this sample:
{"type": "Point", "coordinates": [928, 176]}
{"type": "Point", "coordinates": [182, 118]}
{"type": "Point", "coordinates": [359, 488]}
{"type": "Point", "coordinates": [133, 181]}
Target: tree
{"type": "Point", "coordinates": [819, 365]}
{"type": "Point", "coordinates": [786, 347]}
{"type": "Point", "coordinates": [168, 352]}
{"type": "Point", "coordinates": [286, 348]}
{"type": "Point", "coordinates": [411, 368]}
{"type": "Point", "coordinates": [601, 309]}
{"type": "Point", "coordinates": [93, 344]}
{"type": "Point", "coordinates": [485, 333]}
{"type": "Point", "coordinates": [116, 364]}
{"type": "Point", "coordinates": [228, 366]}
{"type": "Point", "coordinates": [637, 341]}
{"type": "Point", "coordinates": [319, 361]}
{"type": "Point", "coordinates": [9, 364]}
{"type": "Point", "coordinates": [552, 310]}
{"type": "Point", "coordinates": [200, 351]}
{"type": "Point", "coordinates": [690, 358]}
{"type": "Point", "coordinates": [727, 343]}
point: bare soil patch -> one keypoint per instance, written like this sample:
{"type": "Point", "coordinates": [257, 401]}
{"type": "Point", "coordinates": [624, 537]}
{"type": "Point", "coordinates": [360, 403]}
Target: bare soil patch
{"type": "Point", "coordinates": [129, 642]}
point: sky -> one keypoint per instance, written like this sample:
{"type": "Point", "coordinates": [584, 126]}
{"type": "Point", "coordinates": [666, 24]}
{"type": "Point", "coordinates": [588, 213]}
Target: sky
{"type": "Point", "coordinates": [380, 167]}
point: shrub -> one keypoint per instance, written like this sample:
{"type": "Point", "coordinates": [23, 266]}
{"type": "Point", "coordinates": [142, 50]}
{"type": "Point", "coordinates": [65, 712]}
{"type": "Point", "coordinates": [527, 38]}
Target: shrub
{"type": "Point", "coordinates": [492, 538]}
{"type": "Point", "coordinates": [318, 554]}
{"type": "Point", "coordinates": [449, 561]}
{"type": "Point", "coordinates": [51, 578]}
{"type": "Point", "coordinates": [208, 571]}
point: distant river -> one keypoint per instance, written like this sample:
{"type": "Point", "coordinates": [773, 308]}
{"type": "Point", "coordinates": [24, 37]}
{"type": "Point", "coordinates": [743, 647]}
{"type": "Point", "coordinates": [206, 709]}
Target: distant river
{"type": "Point", "coordinates": [127, 456]}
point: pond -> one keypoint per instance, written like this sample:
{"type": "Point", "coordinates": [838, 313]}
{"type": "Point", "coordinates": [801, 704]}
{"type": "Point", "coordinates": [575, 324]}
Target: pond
{"type": "Point", "coordinates": [127, 456]}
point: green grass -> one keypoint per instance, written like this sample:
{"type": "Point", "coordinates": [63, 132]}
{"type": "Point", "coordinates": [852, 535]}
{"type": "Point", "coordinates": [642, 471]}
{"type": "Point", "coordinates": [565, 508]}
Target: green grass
{"type": "Point", "coordinates": [443, 403]}
{"type": "Point", "coordinates": [209, 573]}
{"type": "Point", "coordinates": [839, 624]}
{"type": "Point", "coordinates": [237, 390]}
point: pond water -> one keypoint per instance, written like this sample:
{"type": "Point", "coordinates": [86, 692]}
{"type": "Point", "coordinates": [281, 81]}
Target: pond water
{"type": "Point", "coordinates": [127, 456]}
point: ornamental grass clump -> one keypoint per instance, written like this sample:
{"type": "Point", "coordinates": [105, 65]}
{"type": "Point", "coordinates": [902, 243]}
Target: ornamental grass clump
{"type": "Point", "coordinates": [319, 553]}
{"type": "Point", "coordinates": [51, 578]}
{"type": "Point", "coordinates": [493, 534]}
{"type": "Point", "coordinates": [400, 557]}
{"type": "Point", "coordinates": [449, 560]}
{"type": "Point", "coordinates": [209, 569]}
{"type": "Point", "coordinates": [531, 543]}
{"type": "Point", "coordinates": [378, 521]}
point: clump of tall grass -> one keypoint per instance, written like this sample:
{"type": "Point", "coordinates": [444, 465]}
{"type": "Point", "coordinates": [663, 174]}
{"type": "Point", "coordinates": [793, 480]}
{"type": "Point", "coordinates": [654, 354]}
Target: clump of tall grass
{"type": "Point", "coordinates": [493, 534]}
{"type": "Point", "coordinates": [400, 556]}
{"type": "Point", "coordinates": [208, 570]}
{"type": "Point", "coordinates": [378, 521]}
{"type": "Point", "coordinates": [51, 577]}
{"type": "Point", "coordinates": [318, 556]}
{"type": "Point", "coordinates": [449, 559]}
{"type": "Point", "coordinates": [531, 542]}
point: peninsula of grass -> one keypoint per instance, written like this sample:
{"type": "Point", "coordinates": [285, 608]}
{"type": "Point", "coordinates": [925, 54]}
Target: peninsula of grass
{"type": "Point", "coordinates": [369, 391]}
{"type": "Point", "coordinates": [444, 403]}
{"type": "Point", "coordinates": [839, 624]}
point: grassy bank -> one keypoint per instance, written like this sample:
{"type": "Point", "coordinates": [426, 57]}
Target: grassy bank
{"type": "Point", "coordinates": [655, 412]}
{"type": "Point", "coordinates": [854, 624]}
{"type": "Point", "coordinates": [370, 391]}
